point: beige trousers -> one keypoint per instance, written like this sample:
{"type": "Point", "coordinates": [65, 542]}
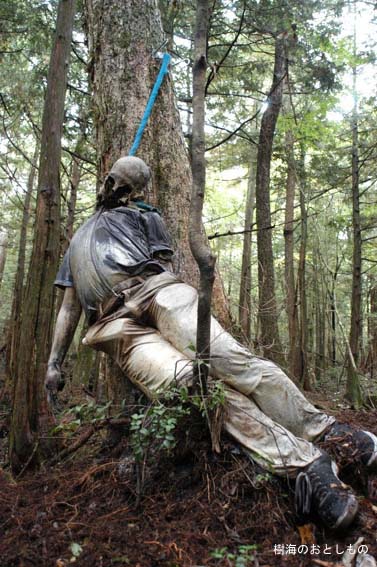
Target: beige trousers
{"type": "Point", "coordinates": [152, 340]}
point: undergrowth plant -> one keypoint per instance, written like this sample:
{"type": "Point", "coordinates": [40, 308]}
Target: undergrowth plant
{"type": "Point", "coordinates": [153, 426]}
{"type": "Point", "coordinates": [243, 557]}
{"type": "Point", "coordinates": [82, 414]}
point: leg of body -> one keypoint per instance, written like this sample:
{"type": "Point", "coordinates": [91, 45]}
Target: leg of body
{"type": "Point", "coordinates": [153, 364]}
{"type": "Point", "coordinates": [174, 312]}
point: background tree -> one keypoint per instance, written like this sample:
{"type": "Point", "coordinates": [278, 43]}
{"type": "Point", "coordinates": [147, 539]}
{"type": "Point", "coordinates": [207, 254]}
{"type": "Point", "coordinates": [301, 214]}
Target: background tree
{"type": "Point", "coordinates": [29, 405]}
{"type": "Point", "coordinates": [198, 242]}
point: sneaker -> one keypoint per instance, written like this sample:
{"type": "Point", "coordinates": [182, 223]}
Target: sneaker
{"type": "Point", "coordinates": [319, 491]}
{"type": "Point", "coordinates": [362, 442]}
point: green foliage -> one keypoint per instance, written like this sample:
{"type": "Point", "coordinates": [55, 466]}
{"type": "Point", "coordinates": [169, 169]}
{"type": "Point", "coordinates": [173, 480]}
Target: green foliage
{"type": "Point", "coordinates": [82, 414]}
{"type": "Point", "coordinates": [214, 398]}
{"type": "Point", "coordinates": [76, 550]}
{"type": "Point", "coordinates": [153, 427]}
{"type": "Point", "coordinates": [244, 556]}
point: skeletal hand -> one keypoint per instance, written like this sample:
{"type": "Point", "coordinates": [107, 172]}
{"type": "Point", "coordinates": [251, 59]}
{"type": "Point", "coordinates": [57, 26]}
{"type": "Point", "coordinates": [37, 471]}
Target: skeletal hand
{"type": "Point", "coordinates": [54, 382]}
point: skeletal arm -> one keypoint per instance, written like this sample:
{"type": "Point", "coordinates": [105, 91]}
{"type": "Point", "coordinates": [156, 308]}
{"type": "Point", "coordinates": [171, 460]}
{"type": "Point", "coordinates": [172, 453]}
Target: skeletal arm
{"type": "Point", "coordinates": [66, 325]}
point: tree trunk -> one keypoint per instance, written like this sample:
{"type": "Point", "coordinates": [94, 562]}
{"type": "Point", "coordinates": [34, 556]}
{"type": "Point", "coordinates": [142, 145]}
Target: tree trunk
{"type": "Point", "coordinates": [74, 183]}
{"type": "Point", "coordinates": [3, 254]}
{"type": "Point", "coordinates": [244, 311]}
{"type": "Point", "coordinates": [30, 412]}
{"type": "Point", "coordinates": [353, 390]}
{"type": "Point", "coordinates": [17, 303]}
{"type": "Point", "coordinates": [372, 356]}
{"type": "Point", "coordinates": [301, 277]}
{"type": "Point", "coordinates": [67, 231]}
{"type": "Point", "coordinates": [320, 320]}
{"type": "Point", "coordinates": [332, 309]}
{"type": "Point", "coordinates": [294, 355]}
{"type": "Point", "coordinates": [269, 334]}
{"type": "Point", "coordinates": [123, 71]}
{"type": "Point", "coordinates": [198, 242]}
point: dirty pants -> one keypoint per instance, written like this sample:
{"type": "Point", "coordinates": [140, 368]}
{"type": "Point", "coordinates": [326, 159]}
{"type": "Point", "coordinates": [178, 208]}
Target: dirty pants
{"type": "Point", "coordinates": [152, 340]}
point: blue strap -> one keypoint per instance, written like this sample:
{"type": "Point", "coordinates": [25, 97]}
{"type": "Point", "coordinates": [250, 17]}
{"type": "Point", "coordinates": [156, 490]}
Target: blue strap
{"type": "Point", "coordinates": [148, 109]}
{"type": "Point", "coordinates": [147, 208]}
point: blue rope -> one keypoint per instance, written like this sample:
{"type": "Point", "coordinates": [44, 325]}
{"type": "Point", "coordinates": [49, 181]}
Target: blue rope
{"type": "Point", "coordinates": [148, 109]}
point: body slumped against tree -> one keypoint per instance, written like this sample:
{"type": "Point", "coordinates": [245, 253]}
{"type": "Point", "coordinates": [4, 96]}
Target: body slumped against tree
{"type": "Point", "coordinates": [145, 318]}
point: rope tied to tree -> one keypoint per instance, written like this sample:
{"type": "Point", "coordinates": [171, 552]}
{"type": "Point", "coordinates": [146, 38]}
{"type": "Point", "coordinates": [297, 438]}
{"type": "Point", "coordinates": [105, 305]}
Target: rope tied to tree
{"type": "Point", "coordinates": [148, 109]}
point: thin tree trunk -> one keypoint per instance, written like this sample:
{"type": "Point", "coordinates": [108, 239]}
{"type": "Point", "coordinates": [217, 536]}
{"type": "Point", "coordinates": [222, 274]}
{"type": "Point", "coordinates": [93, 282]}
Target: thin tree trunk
{"type": "Point", "coordinates": [198, 242]}
{"type": "Point", "coordinates": [320, 322]}
{"type": "Point", "coordinates": [230, 273]}
{"type": "Point", "coordinates": [372, 357]}
{"type": "Point", "coordinates": [244, 310]}
{"type": "Point", "coordinates": [30, 413]}
{"type": "Point", "coordinates": [74, 183]}
{"type": "Point", "coordinates": [3, 254]}
{"type": "Point", "coordinates": [353, 390]}
{"type": "Point", "coordinates": [269, 338]}
{"type": "Point", "coordinates": [17, 303]}
{"type": "Point", "coordinates": [294, 356]}
{"type": "Point", "coordinates": [332, 306]}
{"type": "Point", "coordinates": [67, 233]}
{"type": "Point", "coordinates": [301, 276]}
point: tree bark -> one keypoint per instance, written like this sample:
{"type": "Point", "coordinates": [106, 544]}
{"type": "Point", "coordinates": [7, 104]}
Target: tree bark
{"type": "Point", "coordinates": [332, 300]}
{"type": "Point", "coordinates": [244, 310]}
{"type": "Point", "coordinates": [17, 302]}
{"type": "Point", "coordinates": [320, 319]}
{"type": "Point", "coordinates": [123, 70]}
{"type": "Point", "coordinates": [269, 333]}
{"type": "Point", "coordinates": [372, 331]}
{"type": "Point", "coordinates": [67, 231]}
{"type": "Point", "coordinates": [353, 391]}
{"type": "Point", "coordinates": [3, 254]}
{"type": "Point", "coordinates": [74, 184]}
{"type": "Point", "coordinates": [301, 276]}
{"type": "Point", "coordinates": [30, 413]}
{"type": "Point", "coordinates": [198, 242]}
{"type": "Point", "coordinates": [294, 354]}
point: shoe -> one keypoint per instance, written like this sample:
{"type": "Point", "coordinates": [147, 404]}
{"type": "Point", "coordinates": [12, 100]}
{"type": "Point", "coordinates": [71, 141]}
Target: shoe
{"type": "Point", "coordinates": [319, 491]}
{"type": "Point", "coordinates": [364, 443]}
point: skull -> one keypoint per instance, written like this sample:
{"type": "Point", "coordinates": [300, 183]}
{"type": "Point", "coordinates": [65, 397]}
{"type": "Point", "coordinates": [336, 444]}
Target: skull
{"type": "Point", "coordinates": [126, 180]}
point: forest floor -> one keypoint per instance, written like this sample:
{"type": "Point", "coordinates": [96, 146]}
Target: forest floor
{"type": "Point", "coordinates": [195, 508]}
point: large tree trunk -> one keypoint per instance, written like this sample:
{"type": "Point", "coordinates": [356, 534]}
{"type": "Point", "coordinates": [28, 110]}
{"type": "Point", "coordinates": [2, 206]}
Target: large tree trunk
{"type": "Point", "coordinates": [269, 334]}
{"type": "Point", "coordinates": [244, 311]}
{"type": "Point", "coordinates": [30, 413]}
{"type": "Point", "coordinates": [123, 71]}
{"type": "Point", "coordinates": [17, 303]}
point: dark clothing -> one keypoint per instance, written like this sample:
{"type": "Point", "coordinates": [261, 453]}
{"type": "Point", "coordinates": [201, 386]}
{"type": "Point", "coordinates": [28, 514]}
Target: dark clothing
{"type": "Point", "coordinates": [109, 247]}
